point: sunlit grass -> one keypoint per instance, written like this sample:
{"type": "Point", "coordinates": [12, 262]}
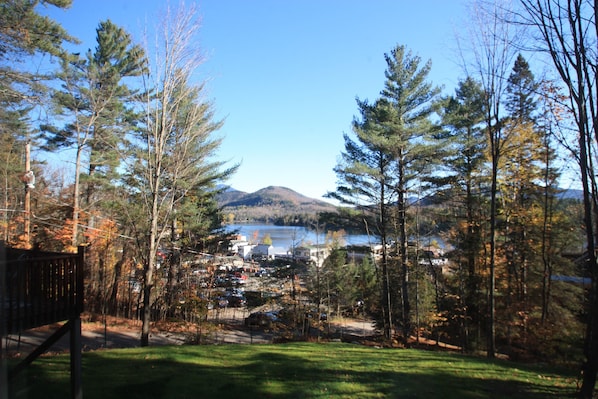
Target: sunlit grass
{"type": "Point", "coordinates": [296, 370]}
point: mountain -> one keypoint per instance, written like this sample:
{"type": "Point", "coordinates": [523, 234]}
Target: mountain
{"type": "Point", "coordinates": [229, 195]}
{"type": "Point", "coordinates": [281, 205]}
{"type": "Point", "coordinates": [572, 194]}
{"type": "Point", "coordinates": [270, 204]}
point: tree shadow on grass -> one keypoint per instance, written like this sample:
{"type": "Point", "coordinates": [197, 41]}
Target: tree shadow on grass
{"type": "Point", "coordinates": [269, 372]}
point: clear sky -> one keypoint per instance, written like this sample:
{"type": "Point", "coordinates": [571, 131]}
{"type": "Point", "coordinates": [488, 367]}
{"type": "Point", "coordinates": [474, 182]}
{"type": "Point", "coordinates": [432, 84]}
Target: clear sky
{"type": "Point", "coordinates": [284, 74]}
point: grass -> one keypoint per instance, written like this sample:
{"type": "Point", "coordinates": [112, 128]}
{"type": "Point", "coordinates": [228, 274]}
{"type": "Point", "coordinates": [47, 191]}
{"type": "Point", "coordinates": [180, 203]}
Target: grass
{"type": "Point", "coordinates": [295, 370]}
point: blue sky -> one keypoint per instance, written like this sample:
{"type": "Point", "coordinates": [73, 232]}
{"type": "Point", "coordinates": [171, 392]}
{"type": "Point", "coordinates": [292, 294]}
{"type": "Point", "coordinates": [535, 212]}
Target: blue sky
{"type": "Point", "coordinates": [284, 74]}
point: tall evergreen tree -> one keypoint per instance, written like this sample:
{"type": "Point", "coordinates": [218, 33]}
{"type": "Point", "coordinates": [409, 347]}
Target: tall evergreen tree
{"type": "Point", "coordinates": [519, 173]}
{"type": "Point", "coordinates": [366, 178]}
{"type": "Point", "coordinates": [522, 91]}
{"type": "Point", "coordinates": [519, 198]}
{"type": "Point", "coordinates": [409, 99]}
{"type": "Point", "coordinates": [91, 103]}
{"type": "Point", "coordinates": [24, 33]}
{"type": "Point", "coordinates": [392, 152]}
{"type": "Point", "coordinates": [115, 60]}
{"type": "Point", "coordinates": [465, 157]}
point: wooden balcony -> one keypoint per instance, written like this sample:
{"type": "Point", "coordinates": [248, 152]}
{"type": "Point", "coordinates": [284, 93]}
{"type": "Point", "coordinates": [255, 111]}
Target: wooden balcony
{"type": "Point", "coordinates": [39, 288]}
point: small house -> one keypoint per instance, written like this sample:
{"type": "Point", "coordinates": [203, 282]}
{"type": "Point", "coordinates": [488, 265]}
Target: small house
{"type": "Point", "coordinates": [312, 254]}
{"type": "Point", "coordinates": [263, 252]}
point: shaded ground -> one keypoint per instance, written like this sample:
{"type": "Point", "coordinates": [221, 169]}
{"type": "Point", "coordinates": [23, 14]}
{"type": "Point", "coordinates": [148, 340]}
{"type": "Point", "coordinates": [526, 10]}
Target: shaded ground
{"type": "Point", "coordinates": [94, 336]}
{"type": "Point", "coordinates": [123, 334]}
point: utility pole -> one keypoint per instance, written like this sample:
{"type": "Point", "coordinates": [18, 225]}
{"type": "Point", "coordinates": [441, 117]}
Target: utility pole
{"type": "Point", "coordinates": [28, 186]}
{"type": "Point", "coordinates": [29, 179]}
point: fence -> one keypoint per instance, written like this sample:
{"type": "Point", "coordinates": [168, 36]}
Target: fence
{"type": "Point", "coordinates": [39, 288]}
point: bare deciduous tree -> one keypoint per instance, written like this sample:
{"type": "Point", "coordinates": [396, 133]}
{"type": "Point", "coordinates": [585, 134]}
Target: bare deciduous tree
{"type": "Point", "coordinates": [568, 34]}
{"type": "Point", "coordinates": [174, 155]}
{"type": "Point", "coordinates": [493, 48]}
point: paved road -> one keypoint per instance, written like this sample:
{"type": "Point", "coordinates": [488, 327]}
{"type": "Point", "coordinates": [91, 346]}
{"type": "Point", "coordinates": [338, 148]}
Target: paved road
{"type": "Point", "coordinates": [92, 337]}
{"type": "Point", "coordinates": [232, 330]}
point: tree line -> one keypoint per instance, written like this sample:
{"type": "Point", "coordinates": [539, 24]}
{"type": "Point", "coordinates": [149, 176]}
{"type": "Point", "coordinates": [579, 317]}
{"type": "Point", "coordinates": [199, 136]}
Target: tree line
{"type": "Point", "coordinates": [480, 169]}
{"type": "Point", "coordinates": [142, 138]}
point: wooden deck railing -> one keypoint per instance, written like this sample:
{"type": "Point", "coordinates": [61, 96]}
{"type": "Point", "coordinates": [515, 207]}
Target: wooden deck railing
{"type": "Point", "coordinates": [39, 288]}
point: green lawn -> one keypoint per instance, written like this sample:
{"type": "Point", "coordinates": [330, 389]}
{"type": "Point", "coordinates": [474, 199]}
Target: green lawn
{"type": "Point", "coordinates": [295, 370]}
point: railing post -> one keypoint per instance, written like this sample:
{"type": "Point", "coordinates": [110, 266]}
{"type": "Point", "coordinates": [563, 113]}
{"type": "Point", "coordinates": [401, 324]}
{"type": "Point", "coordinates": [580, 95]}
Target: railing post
{"type": "Point", "coordinates": [79, 277]}
{"type": "Point", "coordinates": [3, 323]}
{"type": "Point", "coordinates": [76, 357]}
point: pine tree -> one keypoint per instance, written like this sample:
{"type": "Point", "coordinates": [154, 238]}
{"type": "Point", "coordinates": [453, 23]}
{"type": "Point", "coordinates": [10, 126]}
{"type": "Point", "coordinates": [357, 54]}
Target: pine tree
{"type": "Point", "coordinates": [464, 160]}
{"type": "Point", "coordinates": [520, 171]}
{"type": "Point", "coordinates": [392, 152]}
{"type": "Point", "coordinates": [521, 98]}
{"type": "Point", "coordinates": [91, 103]}
{"type": "Point", "coordinates": [409, 99]}
{"type": "Point", "coordinates": [23, 34]}
{"type": "Point", "coordinates": [115, 60]}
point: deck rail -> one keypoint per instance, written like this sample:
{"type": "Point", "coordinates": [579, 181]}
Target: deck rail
{"type": "Point", "coordinates": [41, 288]}
{"type": "Point", "coordinates": [38, 288]}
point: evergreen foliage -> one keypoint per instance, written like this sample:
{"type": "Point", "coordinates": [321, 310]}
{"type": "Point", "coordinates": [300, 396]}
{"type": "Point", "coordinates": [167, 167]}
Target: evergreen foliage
{"type": "Point", "coordinates": [465, 163]}
{"type": "Point", "coordinates": [24, 33]}
{"type": "Point", "coordinates": [377, 171]}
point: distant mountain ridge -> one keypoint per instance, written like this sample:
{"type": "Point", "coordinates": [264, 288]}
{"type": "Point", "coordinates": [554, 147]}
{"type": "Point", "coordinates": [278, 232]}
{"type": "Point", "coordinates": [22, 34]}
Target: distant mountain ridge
{"type": "Point", "coordinates": [571, 194]}
{"type": "Point", "coordinates": [270, 203]}
{"type": "Point", "coordinates": [276, 204]}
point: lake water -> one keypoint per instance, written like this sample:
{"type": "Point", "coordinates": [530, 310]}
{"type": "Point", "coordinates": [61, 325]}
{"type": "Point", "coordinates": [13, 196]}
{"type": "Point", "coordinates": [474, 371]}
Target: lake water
{"type": "Point", "coordinates": [285, 237]}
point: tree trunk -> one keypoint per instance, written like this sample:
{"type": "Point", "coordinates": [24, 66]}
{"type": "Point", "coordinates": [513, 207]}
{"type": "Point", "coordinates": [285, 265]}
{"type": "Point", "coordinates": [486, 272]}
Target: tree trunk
{"type": "Point", "coordinates": [590, 366]}
{"type": "Point", "coordinates": [386, 297]}
{"type": "Point", "coordinates": [404, 260]}
{"type": "Point", "coordinates": [113, 299]}
{"type": "Point", "coordinates": [491, 333]}
{"type": "Point", "coordinates": [472, 303]}
{"type": "Point", "coordinates": [147, 294]}
{"type": "Point", "coordinates": [149, 278]}
{"type": "Point", "coordinates": [76, 189]}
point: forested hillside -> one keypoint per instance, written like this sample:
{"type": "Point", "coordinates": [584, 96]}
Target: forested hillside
{"type": "Point", "coordinates": [279, 205]}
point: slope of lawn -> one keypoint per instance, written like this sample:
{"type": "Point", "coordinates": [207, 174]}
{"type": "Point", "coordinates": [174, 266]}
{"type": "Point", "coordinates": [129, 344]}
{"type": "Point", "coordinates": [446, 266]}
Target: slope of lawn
{"type": "Point", "coordinates": [295, 370]}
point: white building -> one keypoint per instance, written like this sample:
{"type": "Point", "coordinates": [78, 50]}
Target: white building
{"type": "Point", "coordinates": [312, 254]}
{"type": "Point", "coordinates": [245, 251]}
{"type": "Point", "coordinates": [263, 251]}
{"type": "Point", "coordinates": [233, 245]}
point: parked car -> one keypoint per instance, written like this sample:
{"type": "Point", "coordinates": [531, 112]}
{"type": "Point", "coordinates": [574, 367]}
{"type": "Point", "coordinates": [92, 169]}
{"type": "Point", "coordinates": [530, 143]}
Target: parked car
{"type": "Point", "coordinates": [237, 281]}
{"type": "Point", "coordinates": [314, 315]}
{"type": "Point", "coordinates": [262, 273]}
{"type": "Point", "coordinates": [260, 319]}
{"type": "Point", "coordinates": [236, 301]}
{"type": "Point", "coordinates": [222, 302]}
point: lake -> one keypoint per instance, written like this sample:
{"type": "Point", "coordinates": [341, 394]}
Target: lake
{"type": "Point", "coordinates": [285, 237]}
